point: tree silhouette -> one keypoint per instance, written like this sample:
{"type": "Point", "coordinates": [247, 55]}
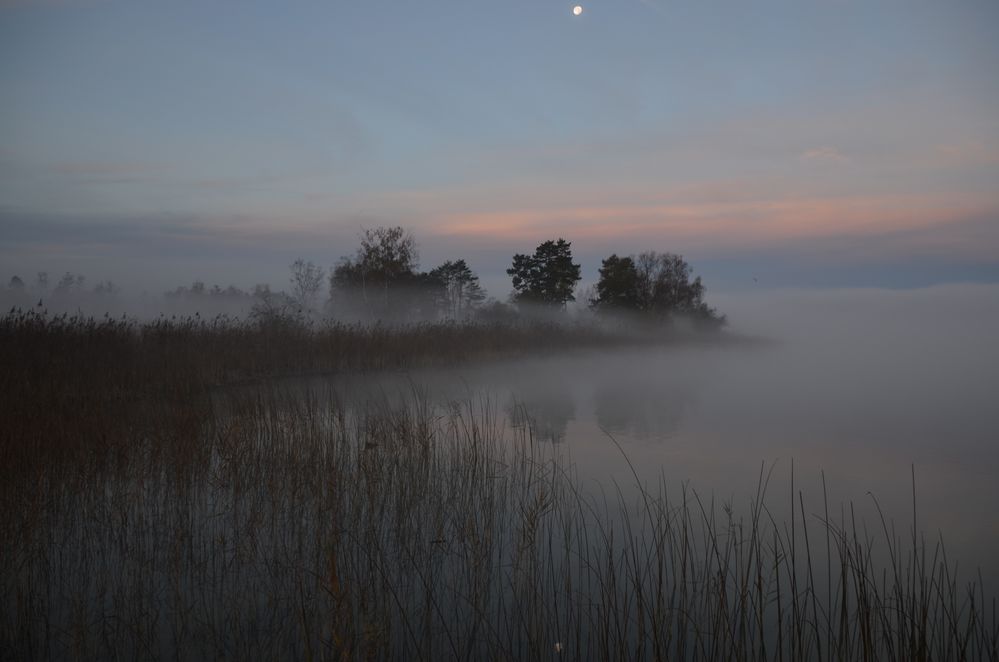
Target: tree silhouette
{"type": "Point", "coordinates": [659, 285]}
{"type": "Point", "coordinates": [666, 288]}
{"type": "Point", "coordinates": [106, 288]}
{"type": "Point", "coordinates": [618, 287]}
{"type": "Point", "coordinates": [69, 283]}
{"type": "Point", "coordinates": [461, 287]}
{"type": "Point", "coordinates": [306, 279]}
{"type": "Point", "coordinates": [386, 259]}
{"type": "Point", "coordinates": [548, 277]}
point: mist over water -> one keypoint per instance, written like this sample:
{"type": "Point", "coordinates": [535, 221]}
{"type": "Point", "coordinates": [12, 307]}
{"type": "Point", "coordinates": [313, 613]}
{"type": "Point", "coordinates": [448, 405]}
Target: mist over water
{"type": "Point", "coordinates": [863, 386]}
{"type": "Point", "coordinates": [828, 443]}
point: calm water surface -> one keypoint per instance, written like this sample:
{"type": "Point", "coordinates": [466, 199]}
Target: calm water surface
{"type": "Point", "coordinates": [865, 391]}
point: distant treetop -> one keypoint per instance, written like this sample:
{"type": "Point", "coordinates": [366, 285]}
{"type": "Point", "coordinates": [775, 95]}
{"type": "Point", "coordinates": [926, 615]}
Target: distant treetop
{"type": "Point", "coordinates": [548, 277]}
{"type": "Point", "coordinates": [656, 285]}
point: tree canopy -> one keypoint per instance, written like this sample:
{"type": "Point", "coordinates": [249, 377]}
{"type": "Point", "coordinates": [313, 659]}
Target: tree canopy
{"type": "Point", "coordinates": [658, 285]}
{"type": "Point", "coordinates": [382, 281]}
{"type": "Point", "coordinates": [618, 287]}
{"type": "Point", "coordinates": [386, 255]}
{"type": "Point", "coordinates": [548, 277]}
{"type": "Point", "coordinates": [462, 291]}
{"type": "Point", "coordinates": [385, 260]}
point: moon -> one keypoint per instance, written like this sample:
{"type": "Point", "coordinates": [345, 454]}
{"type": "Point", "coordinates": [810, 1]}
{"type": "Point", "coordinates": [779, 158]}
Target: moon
{"type": "Point", "coordinates": [577, 10]}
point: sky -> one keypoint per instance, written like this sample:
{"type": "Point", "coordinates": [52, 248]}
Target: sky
{"type": "Point", "coordinates": [808, 143]}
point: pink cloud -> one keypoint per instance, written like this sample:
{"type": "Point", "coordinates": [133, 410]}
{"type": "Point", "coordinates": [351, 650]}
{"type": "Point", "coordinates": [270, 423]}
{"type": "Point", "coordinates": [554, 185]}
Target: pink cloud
{"type": "Point", "coordinates": [968, 153]}
{"type": "Point", "coordinates": [109, 168]}
{"type": "Point", "coordinates": [824, 155]}
{"type": "Point", "coordinates": [726, 222]}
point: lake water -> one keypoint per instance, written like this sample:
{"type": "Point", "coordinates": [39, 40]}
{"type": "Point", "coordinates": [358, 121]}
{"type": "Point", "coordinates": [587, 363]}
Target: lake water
{"type": "Point", "coordinates": [865, 388]}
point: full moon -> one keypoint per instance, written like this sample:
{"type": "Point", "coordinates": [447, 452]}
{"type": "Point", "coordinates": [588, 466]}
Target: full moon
{"type": "Point", "coordinates": [577, 10]}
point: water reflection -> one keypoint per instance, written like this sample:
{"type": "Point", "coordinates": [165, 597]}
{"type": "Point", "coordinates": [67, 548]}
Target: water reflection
{"type": "Point", "coordinates": [642, 407]}
{"type": "Point", "coordinates": [856, 400]}
{"type": "Point", "coordinates": [543, 404]}
{"type": "Point", "coordinates": [546, 416]}
{"type": "Point", "coordinates": [639, 404]}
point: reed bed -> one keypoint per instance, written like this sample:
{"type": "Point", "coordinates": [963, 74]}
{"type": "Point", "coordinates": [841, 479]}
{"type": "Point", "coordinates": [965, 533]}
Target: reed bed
{"type": "Point", "coordinates": [79, 389]}
{"type": "Point", "coordinates": [275, 521]}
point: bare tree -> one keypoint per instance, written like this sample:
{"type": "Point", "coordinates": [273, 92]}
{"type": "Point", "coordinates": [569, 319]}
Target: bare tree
{"type": "Point", "coordinates": [306, 279]}
{"type": "Point", "coordinates": [665, 285]}
{"type": "Point", "coordinates": [387, 259]}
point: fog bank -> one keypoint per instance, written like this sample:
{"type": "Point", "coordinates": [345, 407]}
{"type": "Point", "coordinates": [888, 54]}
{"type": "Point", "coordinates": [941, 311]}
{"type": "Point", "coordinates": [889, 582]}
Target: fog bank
{"type": "Point", "coordinates": [860, 386]}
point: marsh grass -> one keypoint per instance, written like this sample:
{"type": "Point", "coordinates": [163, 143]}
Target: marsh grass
{"type": "Point", "coordinates": [78, 390]}
{"type": "Point", "coordinates": [155, 517]}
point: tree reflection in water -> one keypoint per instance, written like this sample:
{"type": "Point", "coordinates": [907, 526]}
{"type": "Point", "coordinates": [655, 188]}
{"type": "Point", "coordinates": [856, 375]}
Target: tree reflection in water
{"type": "Point", "coordinates": [544, 406]}
{"type": "Point", "coordinates": [642, 407]}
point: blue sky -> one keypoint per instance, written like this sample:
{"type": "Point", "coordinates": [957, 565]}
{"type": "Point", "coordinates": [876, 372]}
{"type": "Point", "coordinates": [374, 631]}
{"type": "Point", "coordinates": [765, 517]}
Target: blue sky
{"type": "Point", "coordinates": [816, 143]}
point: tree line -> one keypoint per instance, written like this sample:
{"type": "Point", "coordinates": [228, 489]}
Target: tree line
{"type": "Point", "coordinates": [654, 286]}
{"type": "Point", "coordinates": [382, 280]}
